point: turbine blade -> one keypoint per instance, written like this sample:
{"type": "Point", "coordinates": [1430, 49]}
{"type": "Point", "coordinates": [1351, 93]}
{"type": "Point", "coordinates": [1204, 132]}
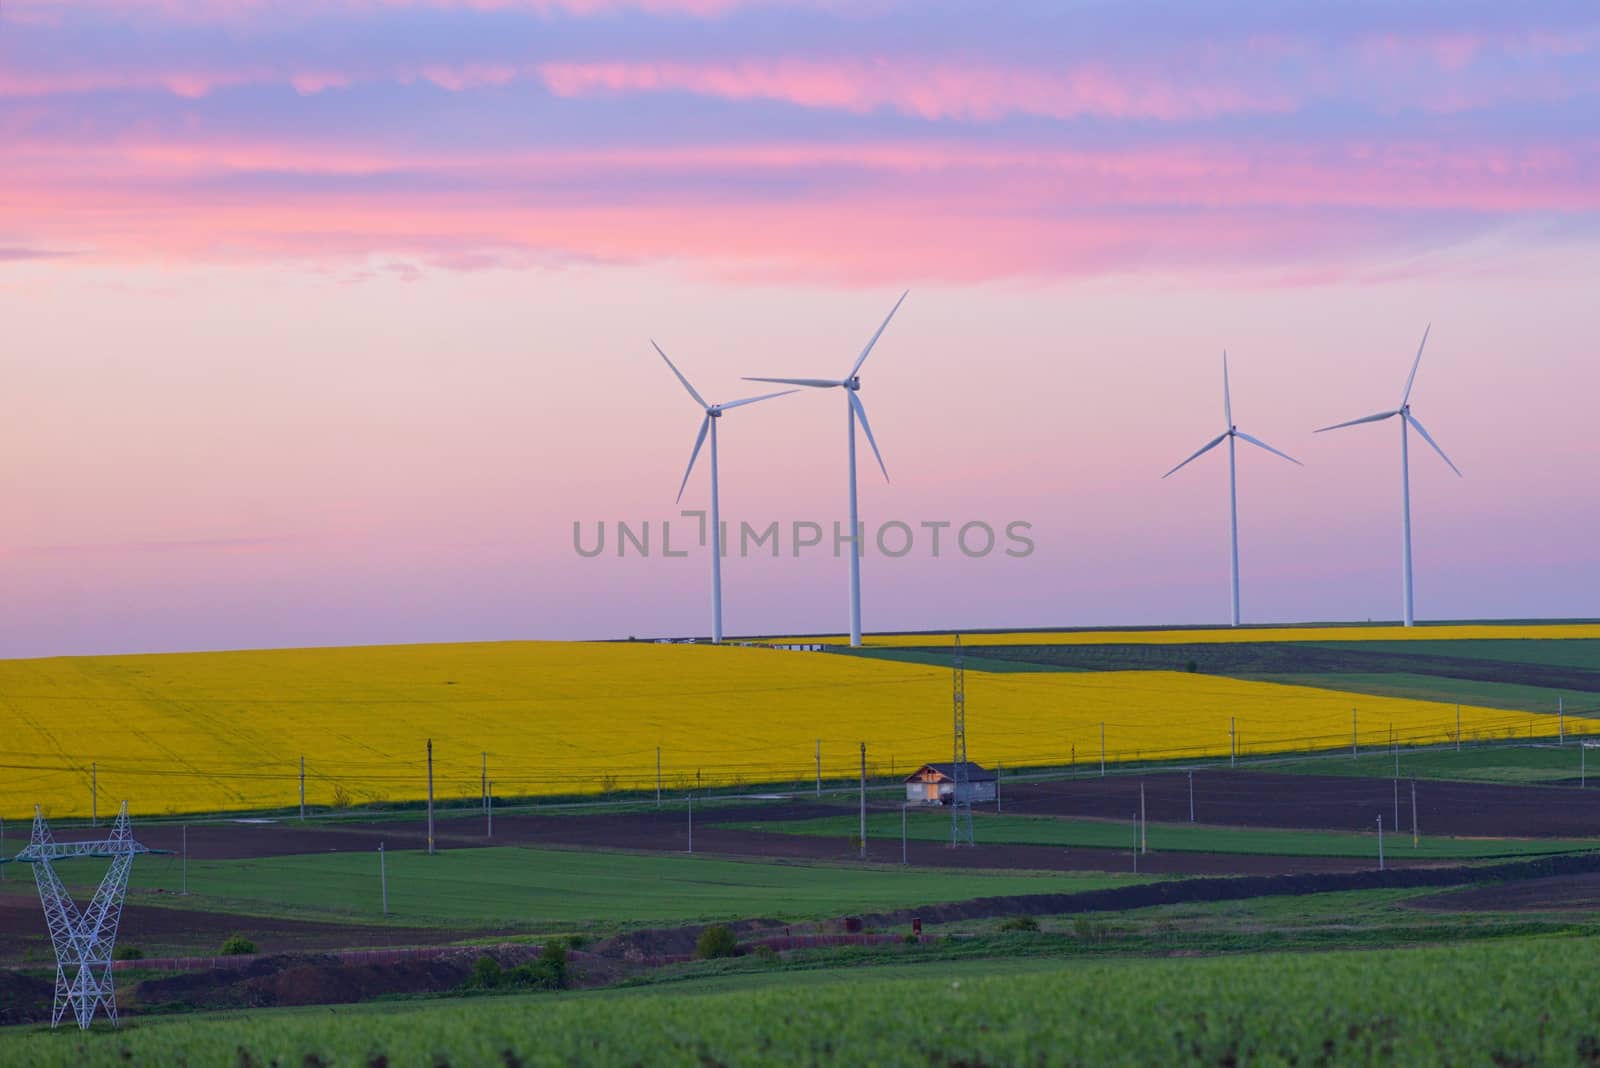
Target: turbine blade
{"type": "Point", "coordinates": [861, 414]}
{"type": "Point", "coordinates": [697, 398]}
{"type": "Point", "coordinates": [1258, 443]}
{"type": "Point", "coordinates": [1227, 394]}
{"type": "Point", "coordinates": [1357, 422]}
{"type": "Point", "coordinates": [1414, 364]}
{"type": "Point", "coordinates": [705, 425]}
{"type": "Point", "coordinates": [752, 400]}
{"type": "Point", "coordinates": [1429, 439]}
{"type": "Point", "coordinates": [864, 352]}
{"type": "Point", "coordinates": [1201, 451]}
{"type": "Point", "coordinates": [814, 383]}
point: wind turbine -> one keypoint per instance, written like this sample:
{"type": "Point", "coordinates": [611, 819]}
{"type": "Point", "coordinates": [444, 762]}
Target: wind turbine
{"type": "Point", "coordinates": [1229, 435]}
{"type": "Point", "coordinates": [1406, 419]}
{"type": "Point", "coordinates": [709, 425]}
{"type": "Point", "coordinates": [851, 384]}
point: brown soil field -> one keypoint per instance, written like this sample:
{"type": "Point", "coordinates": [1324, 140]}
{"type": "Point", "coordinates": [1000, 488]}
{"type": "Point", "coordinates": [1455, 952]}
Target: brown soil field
{"type": "Point", "coordinates": [1560, 893]}
{"type": "Point", "coordinates": [168, 932]}
{"type": "Point", "coordinates": [1321, 802]}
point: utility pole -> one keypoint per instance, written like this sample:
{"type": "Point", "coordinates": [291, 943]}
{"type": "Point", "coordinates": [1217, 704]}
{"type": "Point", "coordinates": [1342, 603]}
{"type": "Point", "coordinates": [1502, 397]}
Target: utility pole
{"type": "Point", "coordinates": [1380, 843]}
{"type": "Point", "coordinates": [819, 767]}
{"type": "Point", "coordinates": [1233, 743]}
{"type": "Point", "coordinates": [1144, 827]}
{"type": "Point", "coordinates": [863, 838]}
{"type": "Point", "coordinates": [383, 879]}
{"type": "Point", "coordinates": [1397, 805]}
{"type": "Point", "coordinates": [1191, 797]}
{"type": "Point", "coordinates": [430, 797]}
{"type": "Point", "coordinates": [1413, 813]}
{"type": "Point", "coordinates": [302, 789]}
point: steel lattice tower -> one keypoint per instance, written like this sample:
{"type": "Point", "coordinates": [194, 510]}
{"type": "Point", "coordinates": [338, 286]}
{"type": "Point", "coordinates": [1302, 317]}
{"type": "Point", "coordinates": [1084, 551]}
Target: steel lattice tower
{"type": "Point", "coordinates": [83, 939]}
{"type": "Point", "coordinates": [961, 798]}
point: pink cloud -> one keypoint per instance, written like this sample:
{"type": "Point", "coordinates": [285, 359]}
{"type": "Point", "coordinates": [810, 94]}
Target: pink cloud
{"type": "Point", "coordinates": [929, 91]}
{"type": "Point", "coordinates": [948, 211]}
{"type": "Point", "coordinates": [47, 11]}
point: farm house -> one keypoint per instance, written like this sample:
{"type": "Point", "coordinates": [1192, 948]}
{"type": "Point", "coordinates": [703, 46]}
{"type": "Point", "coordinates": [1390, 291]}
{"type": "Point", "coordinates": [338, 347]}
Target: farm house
{"type": "Point", "coordinates": [935, 784]}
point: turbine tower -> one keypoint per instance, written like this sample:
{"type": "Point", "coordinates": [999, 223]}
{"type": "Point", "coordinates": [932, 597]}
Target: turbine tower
{"type": "Point", "coordinates": [1406, 420]}
{"type": "Point", "coordinates": [713, 413]}
{"type": "Point", "coordinates": [851, 384]}
{"type": "Point", "coordinates": [1229, 435]}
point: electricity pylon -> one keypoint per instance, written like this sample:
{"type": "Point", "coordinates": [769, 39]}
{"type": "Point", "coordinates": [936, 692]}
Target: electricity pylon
{"type": "Point", "coordinates": [83, 939]}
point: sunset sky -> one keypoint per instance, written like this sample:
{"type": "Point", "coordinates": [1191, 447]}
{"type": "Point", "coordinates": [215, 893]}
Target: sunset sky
{"type": "Point", "coordinates": [323, 321]}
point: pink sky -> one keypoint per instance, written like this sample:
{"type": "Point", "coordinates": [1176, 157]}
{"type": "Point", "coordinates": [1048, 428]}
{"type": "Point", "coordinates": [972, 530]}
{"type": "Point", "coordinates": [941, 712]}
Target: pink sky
{"type": "Point", "coordinates": [325, 323]}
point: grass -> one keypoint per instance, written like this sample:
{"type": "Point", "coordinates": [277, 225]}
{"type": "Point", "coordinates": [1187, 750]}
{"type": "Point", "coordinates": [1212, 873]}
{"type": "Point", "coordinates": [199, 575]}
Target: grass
{"type": "Point", "coordinates": [529, 889]}
{"type": "Point", "coordinates": [1409, 1006]}
{"type": "Point", "coordinates": [1517, 765]}
{"type": "Point", "coordinates": [1176, 837]}
{"type": "Point", "coordinates": [1507, 695]}
{"type": "Point", "coordinates": [1569, 652]}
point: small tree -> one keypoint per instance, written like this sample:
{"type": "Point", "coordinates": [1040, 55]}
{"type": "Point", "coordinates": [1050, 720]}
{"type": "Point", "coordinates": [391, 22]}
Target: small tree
{"type": "Point", "coordinates": [1020, 923]}
{"type": "Point", "coordinates": [716, 941]}
{"type": "Point", "coordinates": [238, 945]}
{"type": "Point", "coordinates": [549, 972]}
{"type": "Point", "coordinates": [487, 973]}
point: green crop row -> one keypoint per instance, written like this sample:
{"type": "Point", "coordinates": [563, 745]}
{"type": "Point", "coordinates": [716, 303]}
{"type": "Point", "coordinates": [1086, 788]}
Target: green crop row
{"type": "Point", "coordinates": [1513, 1002]}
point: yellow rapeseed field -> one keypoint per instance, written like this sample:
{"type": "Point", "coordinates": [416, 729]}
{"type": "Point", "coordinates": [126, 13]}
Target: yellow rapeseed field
{"type": "Point", "coordinates": [212, 731]}
{"type": "Point", "coordinates": [1430, 632]}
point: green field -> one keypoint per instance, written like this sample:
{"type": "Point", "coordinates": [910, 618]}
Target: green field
{"type": "Point", "coordinates": [1521, 764]}
{"type": "Point", "coordinates": [529, 889]}
{"type": "Point", "coordinates": [1175, 837]}
{"type": "Point", "coordinates": [1511, 1002]}
{"type": "Point", "coordinates": [1509, 695]}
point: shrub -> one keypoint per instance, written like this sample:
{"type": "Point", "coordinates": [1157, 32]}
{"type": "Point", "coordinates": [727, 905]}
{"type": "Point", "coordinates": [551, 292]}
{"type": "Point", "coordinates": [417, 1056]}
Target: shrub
{"type": "Point", "coordinates": [487, 973]}
{"type": "Point", "coordinates": [716, 941]}
{"type": "Point", "coordinates": [127, 953]}
{"type": "Point", "coordinates": [1020, 923]}
{"type": "Point", "coordinates": [549, 972]}
{"type": "Point", "coordinates": [238, 945]}
{"type": "Point", "coordinates": [766, 954]}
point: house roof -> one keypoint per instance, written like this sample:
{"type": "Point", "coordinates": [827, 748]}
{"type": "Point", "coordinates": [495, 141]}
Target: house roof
{"type": "Point", "coordinates": [975, 772]}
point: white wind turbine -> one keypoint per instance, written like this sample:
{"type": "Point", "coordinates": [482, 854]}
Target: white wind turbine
{"type": "Point", "coordinates": [709, 424]}
{"type": "Point", "coordinates": [1406, 419]}
{"type": "Point", "coordinates": [851, 384]}
{"type": "Point", "coordinates": [1229, 435]}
